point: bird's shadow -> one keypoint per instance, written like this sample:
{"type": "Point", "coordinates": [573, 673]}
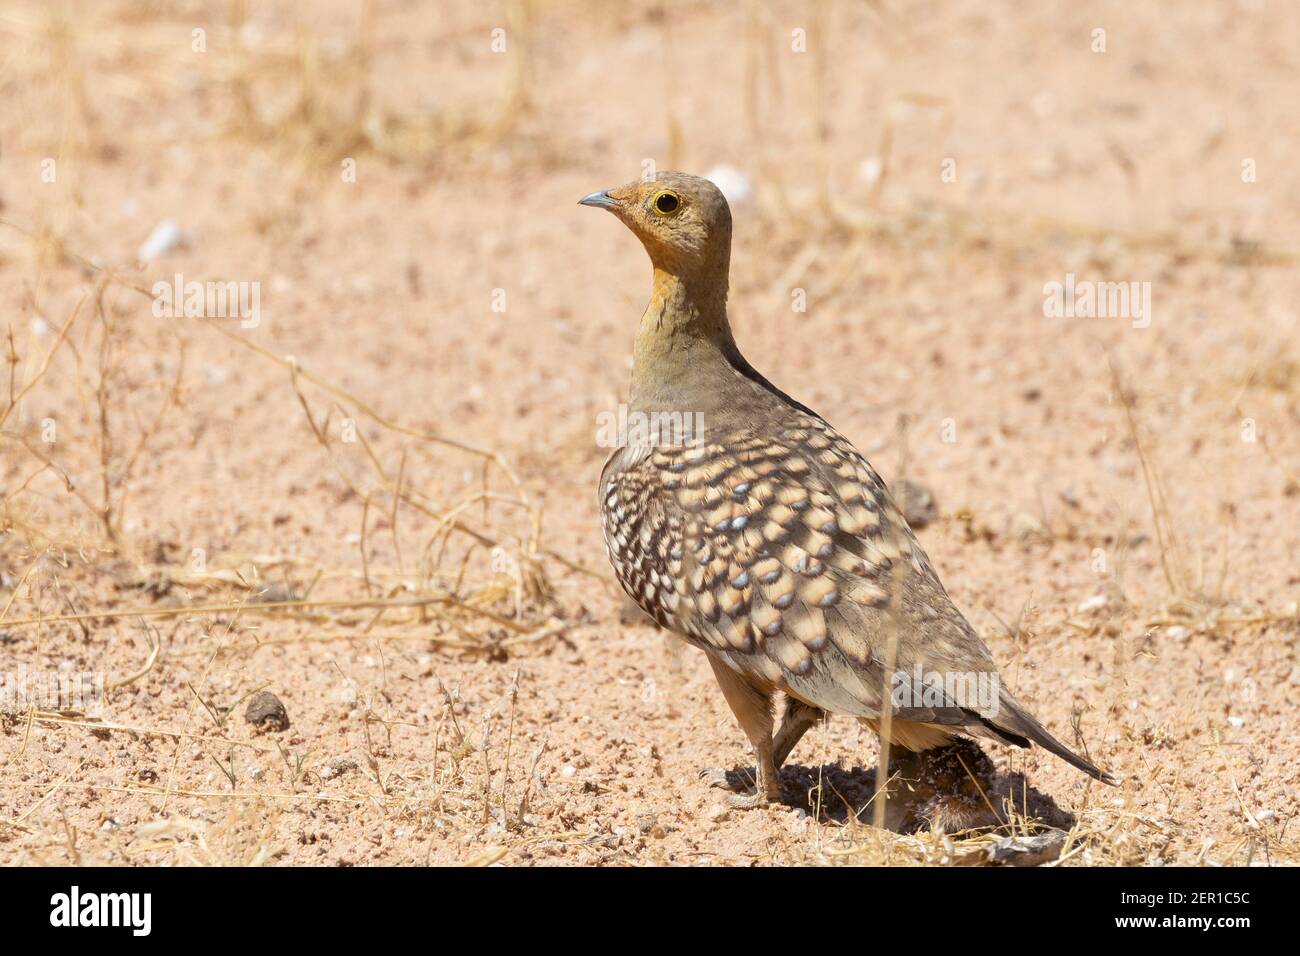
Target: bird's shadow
{"type": "Point", "coordinates": [831, 793]}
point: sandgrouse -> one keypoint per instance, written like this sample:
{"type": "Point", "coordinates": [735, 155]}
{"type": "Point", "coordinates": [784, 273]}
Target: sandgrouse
{"type": "Point", "coordinates": [768, 541]}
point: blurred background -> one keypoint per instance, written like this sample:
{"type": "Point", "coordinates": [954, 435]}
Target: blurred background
{"type": "Point", "coordinates": [376, 496]}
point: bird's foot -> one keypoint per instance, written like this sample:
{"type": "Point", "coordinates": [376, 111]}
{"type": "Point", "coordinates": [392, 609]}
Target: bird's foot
{"type": "Point", "coordinates": [745, 795]}
{"type": "Point", "coordinates": [747, 801]}
{"type": "Point", "coordinates": [727, 779]}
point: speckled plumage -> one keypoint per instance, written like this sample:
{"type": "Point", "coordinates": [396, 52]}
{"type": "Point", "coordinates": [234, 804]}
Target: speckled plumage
{"type": "Point", "coordinates": [768, 541]}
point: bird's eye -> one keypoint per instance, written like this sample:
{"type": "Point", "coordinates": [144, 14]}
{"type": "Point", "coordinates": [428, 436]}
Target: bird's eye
{"type": "Point", "coordinates": [666, 203]}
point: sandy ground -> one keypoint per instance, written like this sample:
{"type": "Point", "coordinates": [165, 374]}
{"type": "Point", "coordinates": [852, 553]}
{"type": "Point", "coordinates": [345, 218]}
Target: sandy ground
{"type": "Point", "coordinates": [1118, 503]}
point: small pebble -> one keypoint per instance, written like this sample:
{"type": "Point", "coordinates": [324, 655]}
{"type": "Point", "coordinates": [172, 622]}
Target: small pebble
{"type": "Point", "coordinates": [734, 184]}
{"type": "Point", "coordinates": [916, 501]}
{"type": "Point", "coordinates": [1094, 603]}
{"type": "Point", "coordinates": [266, 712]}
{"type": "Point", "coordinates": [165, 237]}
{"type": "Point", "coordinates": [870, 169]}
{"type": "Point", "coordinates": [338, 767]}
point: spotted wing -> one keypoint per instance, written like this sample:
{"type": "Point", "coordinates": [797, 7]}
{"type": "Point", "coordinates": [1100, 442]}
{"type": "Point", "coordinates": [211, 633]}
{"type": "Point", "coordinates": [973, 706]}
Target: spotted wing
{"type": "Point", "coordinates": [784, 554]}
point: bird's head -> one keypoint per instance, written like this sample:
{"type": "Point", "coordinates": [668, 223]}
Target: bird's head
{"type": "Point", "coordinates": [682, 220]}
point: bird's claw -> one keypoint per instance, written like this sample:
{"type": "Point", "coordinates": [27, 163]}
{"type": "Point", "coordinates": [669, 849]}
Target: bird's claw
{"type": "Point", "coordinates": [746, 795]}
{"type": "Point", "coordinates": [724, 779]}
{"type": "Point", "coordinates": [747, 801]}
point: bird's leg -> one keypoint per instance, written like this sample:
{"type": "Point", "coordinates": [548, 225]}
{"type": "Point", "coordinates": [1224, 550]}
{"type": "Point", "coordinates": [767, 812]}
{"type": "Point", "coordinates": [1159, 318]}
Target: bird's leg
{"type": "Point", "coordinates": [795, 722]}
{"type": "Point", "coordinates": [753, 709]}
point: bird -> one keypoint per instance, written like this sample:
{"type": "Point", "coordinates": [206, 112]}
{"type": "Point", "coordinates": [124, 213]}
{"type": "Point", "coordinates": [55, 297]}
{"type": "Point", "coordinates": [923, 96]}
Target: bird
{"type": "Point", "coordinates": [766, 539]}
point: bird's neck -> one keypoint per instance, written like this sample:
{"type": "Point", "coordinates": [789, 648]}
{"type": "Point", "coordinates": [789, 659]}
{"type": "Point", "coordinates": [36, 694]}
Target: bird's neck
{"type": "Point", "coordinates": [683, 343]}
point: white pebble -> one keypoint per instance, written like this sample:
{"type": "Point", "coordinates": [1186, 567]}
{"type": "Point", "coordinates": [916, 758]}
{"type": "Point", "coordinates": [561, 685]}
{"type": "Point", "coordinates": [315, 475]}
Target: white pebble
{"type": "Point", "coordinates": [216, 375]}
{"type": "Point", "coordinates": [733, 183]}
{"type": "Point", "coordinates": [1094, 603]}
{"type": "Point", "coordinates": [165, 237]}
{"type": "Point", "coordinates": [870, 169]}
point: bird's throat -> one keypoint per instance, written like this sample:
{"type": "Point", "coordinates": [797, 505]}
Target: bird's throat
{"type": "Point", "coordinates": [683, 341]}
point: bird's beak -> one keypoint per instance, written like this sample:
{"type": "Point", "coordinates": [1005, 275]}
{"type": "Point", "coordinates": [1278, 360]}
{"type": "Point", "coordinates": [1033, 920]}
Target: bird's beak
{"type": "Point", "coordinates": [601, 200]}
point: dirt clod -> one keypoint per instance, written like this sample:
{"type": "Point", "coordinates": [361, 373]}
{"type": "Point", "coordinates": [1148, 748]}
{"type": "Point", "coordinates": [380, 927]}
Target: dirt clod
{"type": "Point", "coordinates": [916, 501]}
{"type": "Point", "coordinates": [266, 712]}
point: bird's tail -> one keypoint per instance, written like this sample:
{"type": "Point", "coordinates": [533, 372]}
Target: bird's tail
{"type": "Point", "coordinates": [1016, 725]}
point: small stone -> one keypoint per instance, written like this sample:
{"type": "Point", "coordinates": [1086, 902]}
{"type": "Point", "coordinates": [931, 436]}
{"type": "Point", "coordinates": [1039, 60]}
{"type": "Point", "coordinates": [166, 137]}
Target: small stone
{"type": "Point", "coordinates": [1094, 603]}
{"type": "Point", "coordinates": [731, 182]}
{"type": "Point", "coordinates": [165, 237]}
{"type": "Point", "coordinates": [338, 767]}
{"type": "Point", "coordinates": [718, 813]}
{"type": "Point", "coordinates": [916, 501]}
{"type": "Point", "coordinates": [1026, 850]}
{"type": "Point", "coordinates": [630, 613]}
{"type": "Point", "coordinates": [216, 374]}
{"type": "Point", "coordinates": [1025, 527]}
{"type": "Point", "coordinates": [266, 712]}
{"type": "Point", "coordinates": [1237, 722]}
